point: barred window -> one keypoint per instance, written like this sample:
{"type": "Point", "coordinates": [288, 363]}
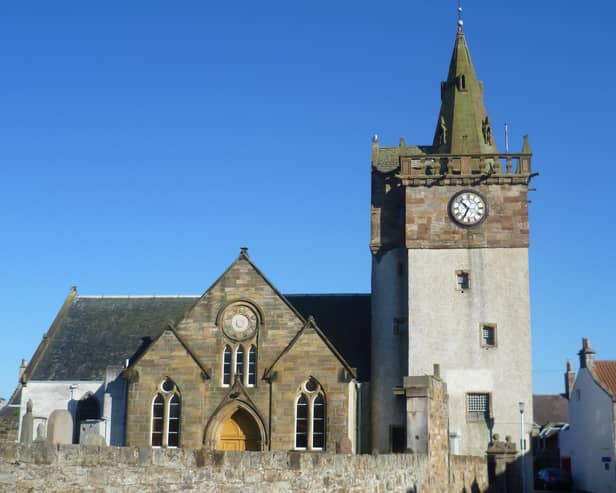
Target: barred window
{"type": "Point", "coordinates": [477, 406]}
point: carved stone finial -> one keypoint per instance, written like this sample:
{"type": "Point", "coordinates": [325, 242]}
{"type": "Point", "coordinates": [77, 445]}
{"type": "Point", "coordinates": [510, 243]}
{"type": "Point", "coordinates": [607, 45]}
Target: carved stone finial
{"type": "Point", "coordinates": [441, 138]}
{"type": "Point", "coordinates": [486, 129]}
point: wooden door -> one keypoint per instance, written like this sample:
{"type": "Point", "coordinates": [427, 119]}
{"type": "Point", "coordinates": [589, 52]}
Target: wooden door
{"type": "Point", "coordinates": [239, 432]}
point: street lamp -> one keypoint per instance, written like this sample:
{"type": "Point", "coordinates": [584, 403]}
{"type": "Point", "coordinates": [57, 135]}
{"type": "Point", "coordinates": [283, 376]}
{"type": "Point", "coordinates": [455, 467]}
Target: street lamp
{"type": "Point", "coordinates": [522, 445]}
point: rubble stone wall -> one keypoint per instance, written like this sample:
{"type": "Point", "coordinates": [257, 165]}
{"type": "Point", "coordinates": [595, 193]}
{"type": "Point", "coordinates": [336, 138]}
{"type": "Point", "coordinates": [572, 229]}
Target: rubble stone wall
{"type": "Point", "coordinates": [76, 468]}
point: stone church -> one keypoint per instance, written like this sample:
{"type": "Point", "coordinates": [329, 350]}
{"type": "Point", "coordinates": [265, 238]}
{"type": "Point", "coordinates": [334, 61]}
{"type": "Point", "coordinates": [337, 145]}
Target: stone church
{"type": "Point", "coordinates": [244, 367]}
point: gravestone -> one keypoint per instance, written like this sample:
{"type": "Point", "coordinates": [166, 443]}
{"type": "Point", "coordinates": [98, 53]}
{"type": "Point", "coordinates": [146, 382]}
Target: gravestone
{"type": "Point", "coordinates": [60, 427]}
{"type": "Point", "coordinates": [92, 440]}
{"type": "Point", "coordinates": [27, 424]}
{"type": "Point", "coordinates": [344, 446]}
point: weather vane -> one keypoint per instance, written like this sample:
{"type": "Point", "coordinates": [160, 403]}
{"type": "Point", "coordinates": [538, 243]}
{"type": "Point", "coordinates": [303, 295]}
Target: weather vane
{"type": "Point", "coordinates": [460, 21]}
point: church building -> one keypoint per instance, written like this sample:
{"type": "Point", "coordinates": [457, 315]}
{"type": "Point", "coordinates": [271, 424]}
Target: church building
{"type": "Point", "coordinates": [243, 367]}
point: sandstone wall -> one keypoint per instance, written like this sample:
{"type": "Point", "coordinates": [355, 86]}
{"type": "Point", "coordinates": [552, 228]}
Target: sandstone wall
{"type": "Point", "coordinates": [74, 468]}
{"type": "Point", "coordinates": [9, 426]}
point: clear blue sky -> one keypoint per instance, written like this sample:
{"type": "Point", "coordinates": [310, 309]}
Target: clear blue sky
{"type": "Point", "coordinates": [141, 146]}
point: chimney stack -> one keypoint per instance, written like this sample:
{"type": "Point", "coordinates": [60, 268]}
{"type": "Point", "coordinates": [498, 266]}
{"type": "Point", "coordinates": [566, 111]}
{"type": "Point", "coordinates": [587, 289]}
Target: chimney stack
{"type": "Point", "coordinates": [569, 379]}
{"type": "Point", "coordinates": [587, 355]}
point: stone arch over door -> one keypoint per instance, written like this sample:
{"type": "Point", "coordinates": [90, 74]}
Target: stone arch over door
{"type": "Point", "coordinates": [235, 427]}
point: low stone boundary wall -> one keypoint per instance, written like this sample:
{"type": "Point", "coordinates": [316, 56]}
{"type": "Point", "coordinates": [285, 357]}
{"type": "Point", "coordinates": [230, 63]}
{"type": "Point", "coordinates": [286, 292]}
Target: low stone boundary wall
{"type": "Point", "coordinates": [77, 468]}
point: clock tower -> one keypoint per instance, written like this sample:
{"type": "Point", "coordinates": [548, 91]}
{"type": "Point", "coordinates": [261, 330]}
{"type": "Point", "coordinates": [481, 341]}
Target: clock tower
{"type": "Point", "coordinates": [449, 240]}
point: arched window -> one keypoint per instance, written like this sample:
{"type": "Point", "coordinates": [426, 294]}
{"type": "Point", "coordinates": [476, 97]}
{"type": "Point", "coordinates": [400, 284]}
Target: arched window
{"type": "Point", "coordinates": [173, 433]}
{"type": "Point", "coordinates": [310, 417]}
{"type": "Point", "coordinates": [166, 414]}
{"type": "Point", "coordinates": [158, 420]}
{"type": "Point", "coordinates": [252, 366]}
{"type": "Point", "coordinates": [226, 366]}
{"type": "Point", "coordinates": [239, 362]}
{"type": "Point", "coordinates": [318, 422]}
{"type": "Point", "coordinates": [301, 423]}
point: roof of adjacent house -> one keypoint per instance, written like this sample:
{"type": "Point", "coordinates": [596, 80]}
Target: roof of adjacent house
{"type": "Point", "coordinates": [550, 408]}
{"type": "Point", "coordinates": [92, 333]}
{"type": "Point", "coordinates": [605, 371]}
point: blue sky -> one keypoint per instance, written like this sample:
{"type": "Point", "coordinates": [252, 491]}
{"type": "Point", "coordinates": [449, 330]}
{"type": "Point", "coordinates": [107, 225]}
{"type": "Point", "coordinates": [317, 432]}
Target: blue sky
{"type": "Point", "coordinates": [141, 146]}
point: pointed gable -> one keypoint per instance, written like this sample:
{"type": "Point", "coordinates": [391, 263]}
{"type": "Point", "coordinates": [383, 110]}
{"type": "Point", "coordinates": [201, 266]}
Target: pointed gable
{"type": "Point", "coordinates": [171, 348]}
{"type": "Point", "coordinates": [310, 339]}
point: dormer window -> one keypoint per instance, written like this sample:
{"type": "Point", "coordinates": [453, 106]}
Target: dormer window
{"type": "Point", "coordinates": [461, 82]}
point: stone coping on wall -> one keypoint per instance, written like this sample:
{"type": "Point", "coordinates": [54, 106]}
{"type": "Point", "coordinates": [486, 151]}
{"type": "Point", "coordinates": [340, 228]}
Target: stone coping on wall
{"type": "Point", "coordinates": [62, 468]}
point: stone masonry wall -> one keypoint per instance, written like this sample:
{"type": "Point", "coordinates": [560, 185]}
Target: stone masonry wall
{"type": "Point", "coordinates": [9, 426]}
{"type": "Point", "coordinates": [428, 224]}
{"type": "Point", "coordinates": [75, 468]}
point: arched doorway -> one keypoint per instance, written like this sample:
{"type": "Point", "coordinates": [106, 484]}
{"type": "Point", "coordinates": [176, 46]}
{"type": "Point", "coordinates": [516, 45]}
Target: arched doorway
{"type": "Point", "coordinates": [239, 432]}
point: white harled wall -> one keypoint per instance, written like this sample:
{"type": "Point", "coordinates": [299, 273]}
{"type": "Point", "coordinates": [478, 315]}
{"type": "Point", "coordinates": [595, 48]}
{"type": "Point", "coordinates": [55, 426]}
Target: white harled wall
{"type": "Point", "coordinates": [590, 437]}
{"type": "Point", "coordinates": [444, 328]}
{"type": "Point", "coordinates": [389, 347]}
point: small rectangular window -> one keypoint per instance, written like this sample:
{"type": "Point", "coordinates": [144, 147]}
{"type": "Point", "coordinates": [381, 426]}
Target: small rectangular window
{"type": "Point", "coordinates": [488, 335]}
{"type": "Point", "coordinates": [477, 406]}
{"type": "Point", "coordinates": [463, 280]}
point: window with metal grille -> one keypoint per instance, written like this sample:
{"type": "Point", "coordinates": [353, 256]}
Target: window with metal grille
{"type": "Point", "coordinates": [488, 335]}
{"type": "Point", "coordinates": [252, 366]}
{"type": "Point", "coordinates": [226, 366]}
{"type": "Point", "coordinates": [477, 406]}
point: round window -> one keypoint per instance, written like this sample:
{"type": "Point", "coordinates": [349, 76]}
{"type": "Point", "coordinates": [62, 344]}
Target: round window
{"type": "Point", "coordinates": [167, 385]}
{"type": "Point", "coordinates": [311, 385]}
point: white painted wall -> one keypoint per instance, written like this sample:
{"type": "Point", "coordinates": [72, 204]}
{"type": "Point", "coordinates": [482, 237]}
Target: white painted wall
{"type": "Point", "coordinates": [444, 328]}
{"type": "Point", "coordinates": [590, 436]}
{"type": "Point", "coordinates": [47, 396]}
{"type": "Point", "coordinates": [389, 350]}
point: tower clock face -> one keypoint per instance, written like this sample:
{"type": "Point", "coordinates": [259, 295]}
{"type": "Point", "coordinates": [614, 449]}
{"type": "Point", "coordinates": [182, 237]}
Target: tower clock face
{"type": "Point", "coordinates": [468, 208]}
{"type": "Point", "coordinates": [239, 322]}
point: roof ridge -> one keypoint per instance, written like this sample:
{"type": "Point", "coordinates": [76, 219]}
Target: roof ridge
{"type": "Point", "coordinates": [125, 296]}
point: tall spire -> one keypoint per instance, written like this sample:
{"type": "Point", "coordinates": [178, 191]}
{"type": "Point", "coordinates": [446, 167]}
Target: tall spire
{"type": "Point", "coordinates": [463, 125]}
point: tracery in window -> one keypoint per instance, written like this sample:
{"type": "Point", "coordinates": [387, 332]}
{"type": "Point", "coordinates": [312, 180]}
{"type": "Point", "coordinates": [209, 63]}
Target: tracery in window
{"type": "Point", "coordinates": [166, 415]}
{"type": "Point", "coordinates": [310, 417]}
{"type": "Point", "coordinates": [239, 361]}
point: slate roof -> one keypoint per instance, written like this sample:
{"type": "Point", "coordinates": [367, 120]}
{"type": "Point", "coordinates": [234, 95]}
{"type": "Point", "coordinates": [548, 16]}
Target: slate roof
{"type": "Point", "coordinates": [605, 371]}
{"type": "Point", "coordinates": [550, 408]}
{"type": "Point", "coordinates": [345, 320]}
{"type": "Point", "coordinates": [389, 157]}
{"type": "Point", "coordinates": [95, 332]}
